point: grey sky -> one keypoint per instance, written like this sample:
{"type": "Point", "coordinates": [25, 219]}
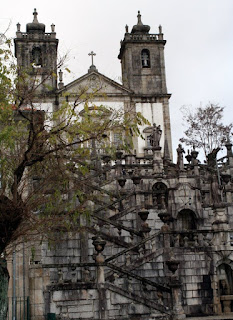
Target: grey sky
{"type": "Point", "coordinates": [198, 53]}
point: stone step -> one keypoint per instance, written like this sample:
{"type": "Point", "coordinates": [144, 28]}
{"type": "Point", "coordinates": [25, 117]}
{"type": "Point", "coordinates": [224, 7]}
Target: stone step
{"type": "Point", "coordinates": [221, 317]}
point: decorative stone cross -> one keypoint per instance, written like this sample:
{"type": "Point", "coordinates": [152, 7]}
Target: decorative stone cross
{"type": "Point", "coordinates": [92, 54]}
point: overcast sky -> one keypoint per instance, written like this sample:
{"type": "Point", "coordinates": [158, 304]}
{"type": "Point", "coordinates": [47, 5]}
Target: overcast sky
{"type": "Point", "coordinates": [198, 53]}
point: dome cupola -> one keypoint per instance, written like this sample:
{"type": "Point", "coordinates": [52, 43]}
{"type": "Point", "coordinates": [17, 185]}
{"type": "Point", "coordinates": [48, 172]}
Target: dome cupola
{"type": "Point", "coordinates": [140, 27]}
{"type": "Point", "coordinates": [35, 26]}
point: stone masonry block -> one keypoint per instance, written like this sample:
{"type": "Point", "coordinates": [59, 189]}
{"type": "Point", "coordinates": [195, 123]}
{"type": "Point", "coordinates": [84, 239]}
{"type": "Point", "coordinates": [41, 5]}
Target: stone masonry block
{"type": "Point", "coordinates": [189, 294]}
{"type": "Point", "coordinates": [193, 301]}
{"type": "Point", "coordinates": [58, 295]}
{"type": "Point", "coordinates": [195, 294]}
{"type": "Point", "coordinates": [117, 299]}
{"type": "Point", "coordinates": [192, 286]}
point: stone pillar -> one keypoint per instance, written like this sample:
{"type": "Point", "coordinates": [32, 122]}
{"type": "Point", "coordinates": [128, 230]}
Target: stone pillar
{"type": "Point", "coordinates": [165, 229]}
{"type": "Point", "coordinates": [175, 285]}
{"type": "Point", "coordinates": [177, 310]}
{"type": "Point", "coordinates": [228, 194]}
{"type": "Point", "coordinates": [36, 291]}
{"type": "Point", "coordinates": [157, 160]}
{"type": "Point", "coordinates": [220, 225]}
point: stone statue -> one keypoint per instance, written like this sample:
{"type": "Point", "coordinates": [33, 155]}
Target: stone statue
{"type": "Point", "coordinates": [180, 160]}
{"type": "Point", "coordinates": [211, 158]}
{"type": "Point", "coordinates": [155, 136]}
{"type": "Point", "coordinates": [216, 193]}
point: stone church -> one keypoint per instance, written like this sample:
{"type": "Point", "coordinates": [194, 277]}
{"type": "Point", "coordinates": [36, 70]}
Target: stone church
{"type": "Point", "coordinates": [165, 250]}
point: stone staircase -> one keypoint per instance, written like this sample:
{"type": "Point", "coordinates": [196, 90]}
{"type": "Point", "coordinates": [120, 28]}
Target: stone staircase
{"type": "Point", "coordinates": [221, 317]}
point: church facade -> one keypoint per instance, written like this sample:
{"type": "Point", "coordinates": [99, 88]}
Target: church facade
{"type": "Point", "coordinates": [164, 251]}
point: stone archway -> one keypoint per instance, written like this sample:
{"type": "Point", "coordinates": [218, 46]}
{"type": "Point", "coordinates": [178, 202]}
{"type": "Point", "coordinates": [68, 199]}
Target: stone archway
{"type": "Point", "coordinates": [225, 287]}
{"type": "Point", "coordinates": [186, 220]}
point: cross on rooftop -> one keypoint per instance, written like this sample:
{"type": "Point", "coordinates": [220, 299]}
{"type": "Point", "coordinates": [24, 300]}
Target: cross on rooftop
{"type": "Point", "coordinates": [92, 54]}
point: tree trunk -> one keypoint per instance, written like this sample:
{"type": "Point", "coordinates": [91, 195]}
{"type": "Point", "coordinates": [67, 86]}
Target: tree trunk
{"type": "Point", "coordinates": [4, 279]}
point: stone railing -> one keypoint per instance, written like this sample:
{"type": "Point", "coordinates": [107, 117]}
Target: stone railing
{"type": "Point", "coordinates": [25, 35]}
{"type": "Point", "coordinates": [200, 238]}
{"type": "Point", "coordinates": [144, 37]}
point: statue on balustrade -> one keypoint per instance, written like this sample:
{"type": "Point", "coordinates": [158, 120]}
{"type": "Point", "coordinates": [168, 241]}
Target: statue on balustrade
{"type": "Point", "coordinates": [155, 137]}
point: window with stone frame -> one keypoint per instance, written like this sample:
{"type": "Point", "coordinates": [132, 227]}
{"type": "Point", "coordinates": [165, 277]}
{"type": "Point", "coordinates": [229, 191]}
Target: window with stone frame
{"type": "Point", "coordinates": [145, 58]}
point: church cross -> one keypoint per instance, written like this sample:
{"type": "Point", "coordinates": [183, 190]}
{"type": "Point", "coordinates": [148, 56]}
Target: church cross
{"type": "Point", "coordinates": [92, 54]}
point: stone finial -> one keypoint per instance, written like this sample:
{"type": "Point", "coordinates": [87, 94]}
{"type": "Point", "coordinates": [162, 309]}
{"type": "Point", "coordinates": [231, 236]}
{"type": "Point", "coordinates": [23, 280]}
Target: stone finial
{"type": "Point", "coordinates": [60, 75]}
{"type": "Point", "coordinates": [18, 27]}
{"type": "Point", "coordinates": [126, 28]}
{"type": "Point", "coordinates": [60, 84]}
{"type": "Point", "coordinates": [139, 18]}
{"type": "Point", "coordinates": [188, 157]}
{"type": "Point", "coordinates": [172, 264]}
{"type": "Point", "coordinates": [52, 27]}
{"type": "Point", "coordinates": [35, 14]}
{"type": "Point", "coordinates": [99, 245]}
{"type": "Point", "coordinates": [160, 36]}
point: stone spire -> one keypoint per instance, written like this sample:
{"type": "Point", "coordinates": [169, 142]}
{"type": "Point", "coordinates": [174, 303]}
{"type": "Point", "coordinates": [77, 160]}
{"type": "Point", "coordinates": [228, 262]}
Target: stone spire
{"type": "Point", "coordinates": [35, 14]}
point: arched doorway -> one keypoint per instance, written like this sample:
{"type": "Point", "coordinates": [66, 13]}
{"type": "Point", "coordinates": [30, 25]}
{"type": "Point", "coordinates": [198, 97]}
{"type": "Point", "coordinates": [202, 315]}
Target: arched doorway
{"type": "Point", "coordinates": [186, 220]}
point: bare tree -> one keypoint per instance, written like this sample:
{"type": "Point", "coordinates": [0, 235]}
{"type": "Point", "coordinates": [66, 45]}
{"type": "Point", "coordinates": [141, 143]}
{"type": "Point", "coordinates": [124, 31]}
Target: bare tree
{"type": "Point", "coordinates": [205, 127]}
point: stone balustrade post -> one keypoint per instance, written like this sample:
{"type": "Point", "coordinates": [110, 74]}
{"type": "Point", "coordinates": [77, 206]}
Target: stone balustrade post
{"type": "Point", "coordinates": [99, 245]}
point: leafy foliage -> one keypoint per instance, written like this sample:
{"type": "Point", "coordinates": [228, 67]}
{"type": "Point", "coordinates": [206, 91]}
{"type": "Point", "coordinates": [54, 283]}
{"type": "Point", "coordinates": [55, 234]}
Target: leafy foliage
{"type": "Point", "coordinates": [50, 158]}
{"type": "Point", "coordinates": [205, 127]}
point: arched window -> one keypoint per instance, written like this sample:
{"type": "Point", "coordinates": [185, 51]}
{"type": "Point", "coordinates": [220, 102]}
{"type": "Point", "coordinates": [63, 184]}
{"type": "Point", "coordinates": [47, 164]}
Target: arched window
{"type": "Point", "coordinates": [37, 56]}
{"type": "Point", "coordinates": [145, 58]}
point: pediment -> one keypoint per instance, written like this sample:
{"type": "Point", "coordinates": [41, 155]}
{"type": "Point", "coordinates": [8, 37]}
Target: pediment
{"type": "Point", "coordinates": [97, 83]}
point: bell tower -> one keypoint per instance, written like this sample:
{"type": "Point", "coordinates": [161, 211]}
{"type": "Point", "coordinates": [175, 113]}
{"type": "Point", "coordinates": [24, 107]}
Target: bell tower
{"type": "Point", "coordinates": [143, 72]}
{"type": "Point", "coordinates": [36, 53]}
